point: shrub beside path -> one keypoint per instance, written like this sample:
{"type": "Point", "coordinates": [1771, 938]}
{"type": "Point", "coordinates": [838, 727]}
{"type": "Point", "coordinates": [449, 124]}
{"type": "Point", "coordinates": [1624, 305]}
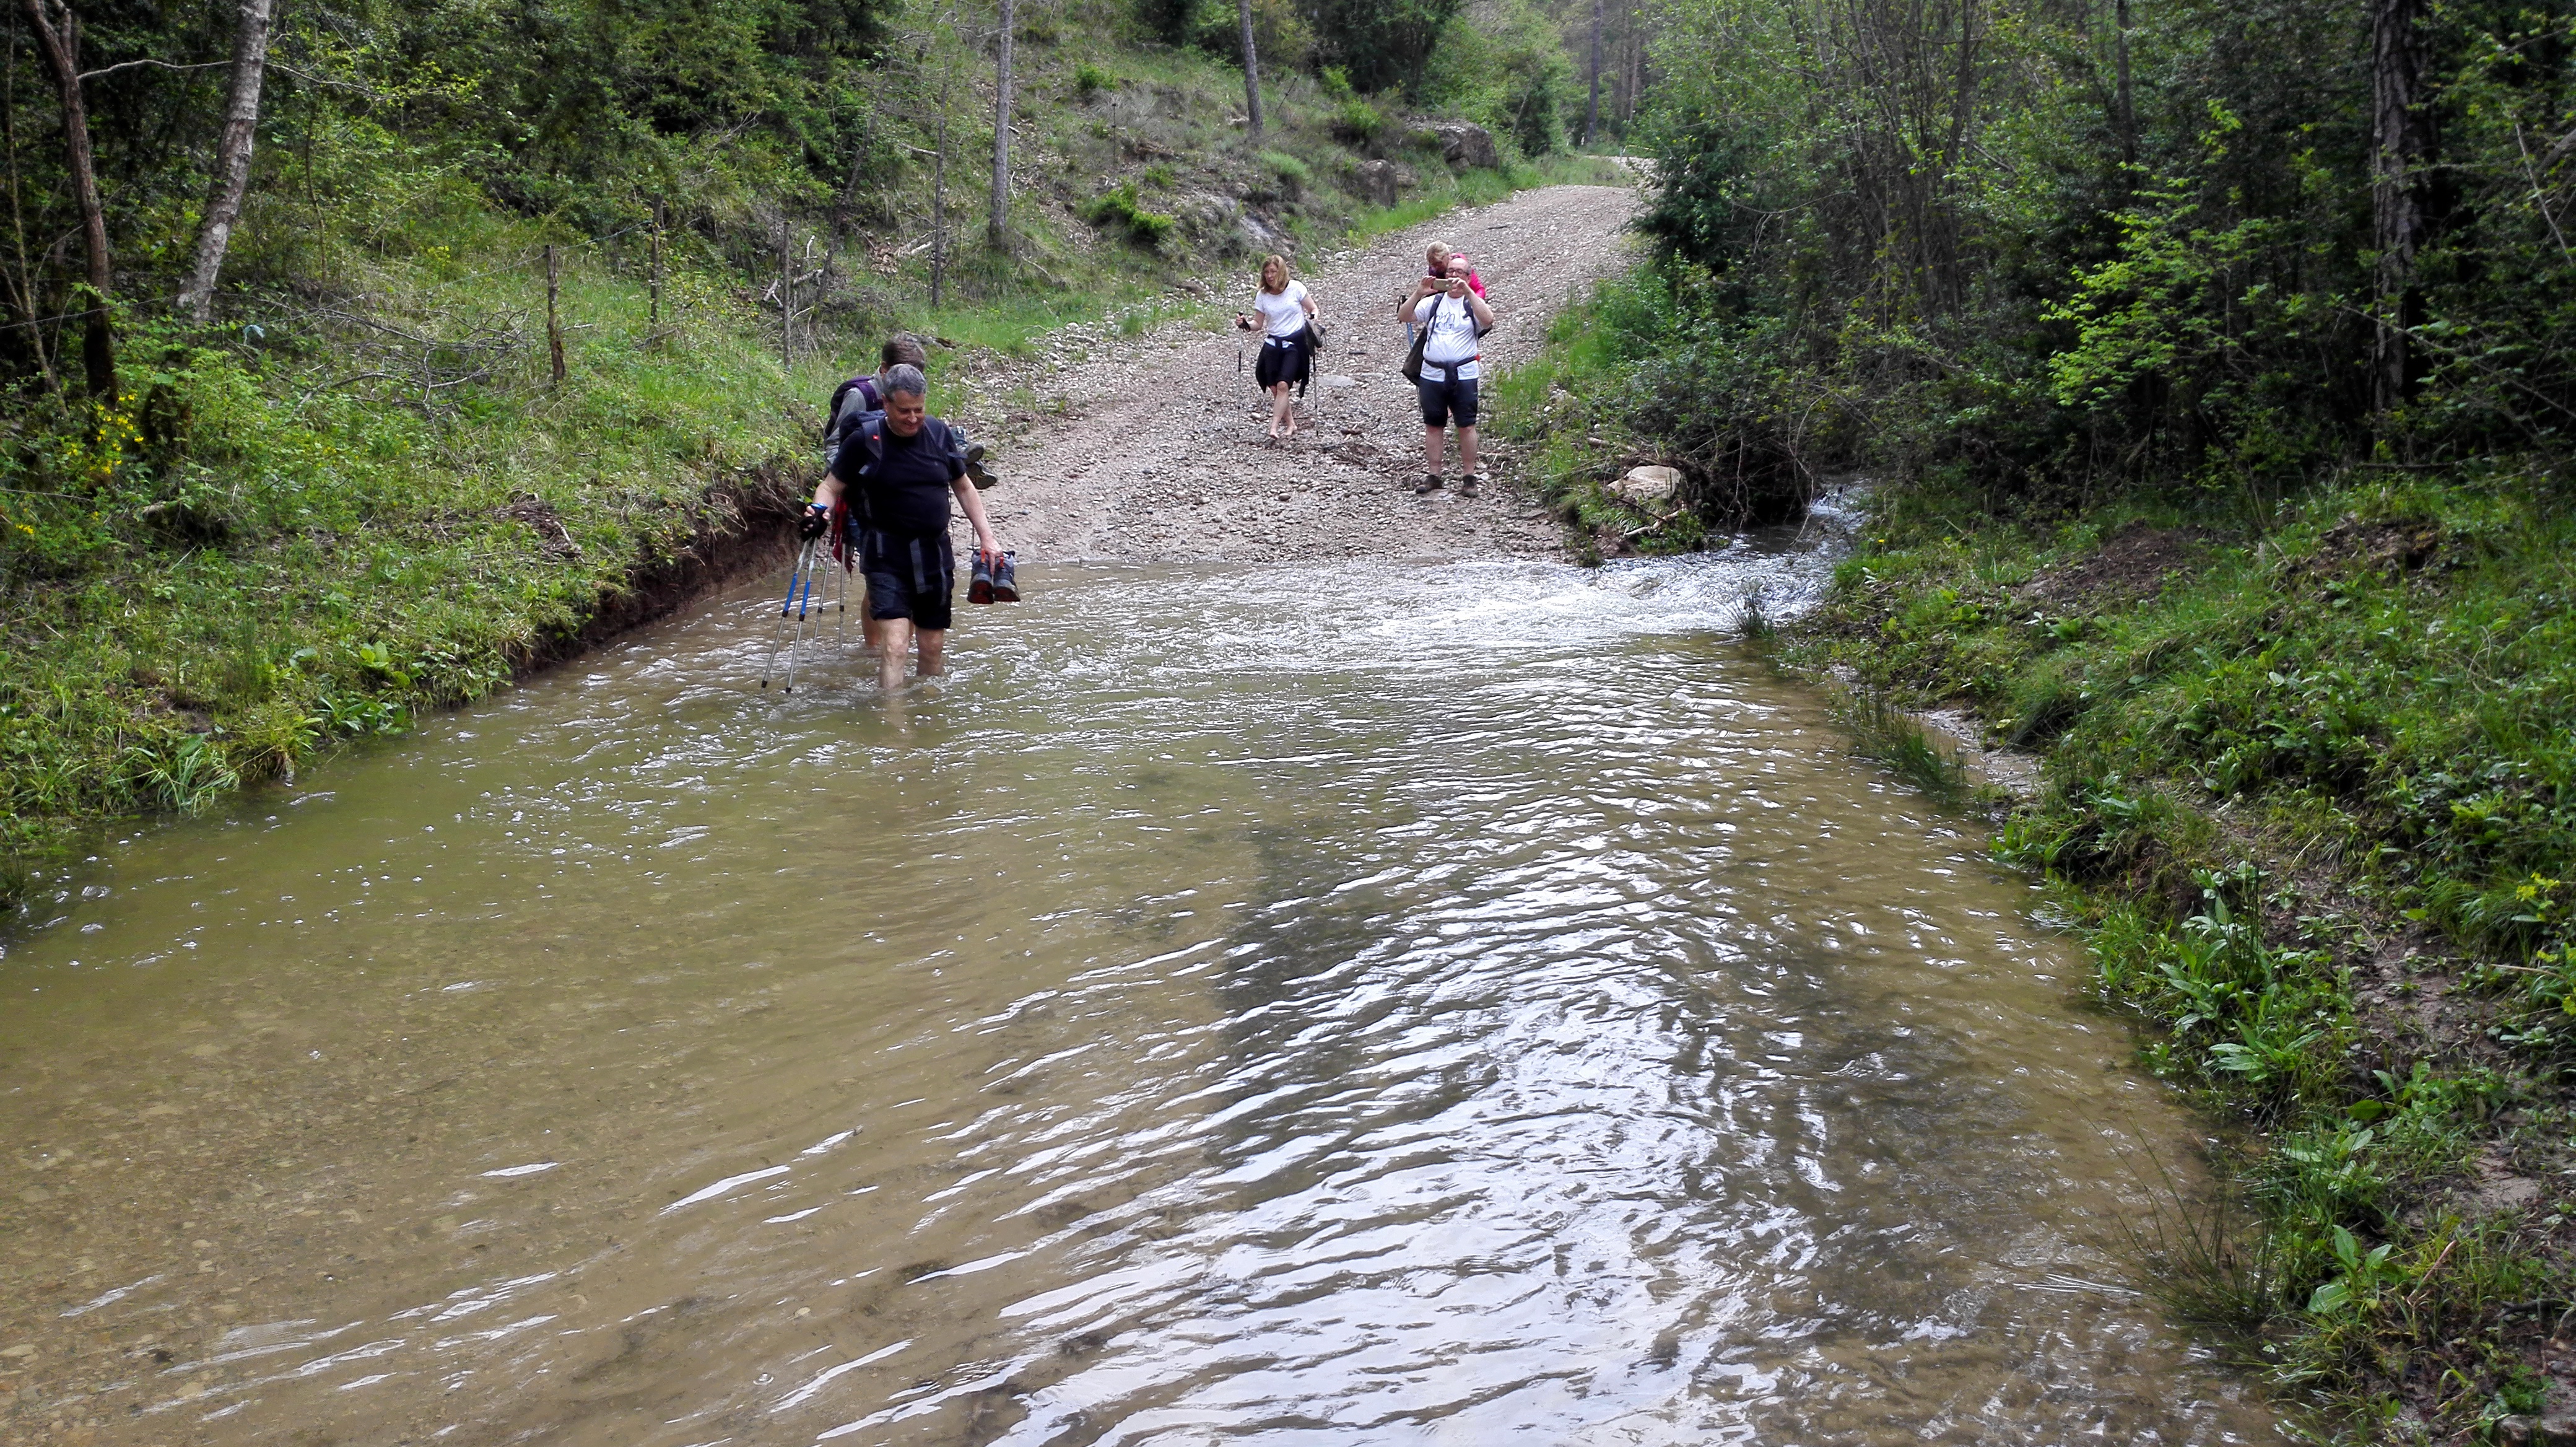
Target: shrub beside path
{"type": "Point", "coordinates": [1154, 449]}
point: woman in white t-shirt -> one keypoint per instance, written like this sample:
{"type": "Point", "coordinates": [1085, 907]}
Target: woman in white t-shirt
{"type": "Point", "coordinates": [1285, 310]}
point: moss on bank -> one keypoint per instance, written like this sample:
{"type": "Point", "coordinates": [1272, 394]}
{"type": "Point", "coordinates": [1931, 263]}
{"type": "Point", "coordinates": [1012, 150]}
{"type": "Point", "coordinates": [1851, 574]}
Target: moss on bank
{"type": "Point", "coordinates": [2312, 793]}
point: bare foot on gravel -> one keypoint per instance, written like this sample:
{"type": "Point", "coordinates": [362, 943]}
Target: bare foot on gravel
{"type": "Point", "coordinates": [1159, 449]}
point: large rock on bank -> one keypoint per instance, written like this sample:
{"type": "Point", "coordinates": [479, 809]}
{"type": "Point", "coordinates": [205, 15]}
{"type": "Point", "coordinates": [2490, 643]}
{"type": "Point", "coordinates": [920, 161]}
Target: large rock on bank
{"type": "Point", "coordinates": [1464, 144]}
{"type": "Point", "coordinates": [1380, 183]}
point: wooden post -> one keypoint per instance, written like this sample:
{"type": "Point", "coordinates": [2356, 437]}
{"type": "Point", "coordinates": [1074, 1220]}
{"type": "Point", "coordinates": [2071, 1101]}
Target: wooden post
{"type": "Point", "coordinates": [786, 296]}
{"type": "Point", "coordinates": [653, 318]}
{"type": "Point", "coordinates": [554, 324]}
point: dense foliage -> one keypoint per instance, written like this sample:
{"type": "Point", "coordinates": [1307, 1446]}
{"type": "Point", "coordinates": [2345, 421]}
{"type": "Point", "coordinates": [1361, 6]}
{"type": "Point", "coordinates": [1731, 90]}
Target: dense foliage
{"type": "Point", "coordinates": [2019, 248]}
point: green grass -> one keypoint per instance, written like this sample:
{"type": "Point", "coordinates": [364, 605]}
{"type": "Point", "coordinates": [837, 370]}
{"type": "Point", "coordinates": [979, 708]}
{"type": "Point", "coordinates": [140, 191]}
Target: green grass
{"type": "Point", "coordinates": [245, 563]}
{"type": "Point", "coordinates": [1882, 731]}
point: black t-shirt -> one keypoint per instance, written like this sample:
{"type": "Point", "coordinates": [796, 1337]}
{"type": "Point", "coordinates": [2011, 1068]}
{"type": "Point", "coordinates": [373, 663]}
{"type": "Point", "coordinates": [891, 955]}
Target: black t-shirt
{"type": "Point", "coordinates": [908, 491]}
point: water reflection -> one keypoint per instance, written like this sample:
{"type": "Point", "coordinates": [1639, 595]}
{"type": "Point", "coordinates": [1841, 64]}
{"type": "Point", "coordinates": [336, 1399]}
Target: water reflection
{"type": "Point", "coordinates": [1344, 1004]}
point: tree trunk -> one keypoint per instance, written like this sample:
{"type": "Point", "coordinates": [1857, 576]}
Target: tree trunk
{"type": "Point", "coordinates": [2401, 153]}
{"type": "Point", "coordinates": [997, 227]}
{"type": "Point", "coordinates": [939, 207]}
{"type": "Point", "coordinates": [2127, 119]}
{"type": "Point", "coordinates": [1251, 69]}
{"type": "Point", "coordinates": [232, 161]}
{"type": "Point", "coordinates": [1592, 107]}
{"type": "Point", "coordinates": [1636, 74]}
{"type": "Point", "coordinates": [58, 34]}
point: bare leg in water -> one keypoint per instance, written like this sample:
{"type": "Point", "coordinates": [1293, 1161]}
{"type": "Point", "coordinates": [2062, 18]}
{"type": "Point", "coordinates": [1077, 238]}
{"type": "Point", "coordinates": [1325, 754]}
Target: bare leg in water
{"type": "Point", "coordinates": [895, 636]}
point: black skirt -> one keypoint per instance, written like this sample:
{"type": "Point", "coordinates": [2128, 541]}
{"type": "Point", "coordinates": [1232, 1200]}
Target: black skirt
{"type": "Point", "coordinates": [1283, 359]}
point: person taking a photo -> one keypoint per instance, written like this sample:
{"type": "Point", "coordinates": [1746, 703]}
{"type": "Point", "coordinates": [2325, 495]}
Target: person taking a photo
{"type": "Point", "coordinates": [1456, 320]}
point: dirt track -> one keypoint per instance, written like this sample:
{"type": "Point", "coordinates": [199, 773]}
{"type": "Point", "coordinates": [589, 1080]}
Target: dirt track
{"type": "Point", "coordinates": [1159, 451]}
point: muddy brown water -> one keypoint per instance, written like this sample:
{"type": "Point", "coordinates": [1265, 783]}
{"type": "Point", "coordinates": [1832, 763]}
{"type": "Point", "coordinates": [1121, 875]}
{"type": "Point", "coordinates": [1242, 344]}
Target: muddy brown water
{"type": "Point", "coordinates": [1344, 1004]}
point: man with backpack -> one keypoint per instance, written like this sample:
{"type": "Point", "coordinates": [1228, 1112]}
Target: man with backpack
{"type": "Point", "coordinates": [898, 469]}
{"type": "Point", "coordinates": [1454, 320]}
{"type": "Point", "coordinates": [863, 394]}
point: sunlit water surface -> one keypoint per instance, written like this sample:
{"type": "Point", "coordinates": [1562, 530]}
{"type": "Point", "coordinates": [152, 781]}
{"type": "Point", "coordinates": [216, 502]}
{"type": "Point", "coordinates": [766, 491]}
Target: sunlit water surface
{"type": "Point", "coordinates": [1358, 1004]}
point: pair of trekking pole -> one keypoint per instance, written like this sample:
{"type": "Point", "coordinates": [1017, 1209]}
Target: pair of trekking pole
{"type": "Point", "coordinates": [804, 603]}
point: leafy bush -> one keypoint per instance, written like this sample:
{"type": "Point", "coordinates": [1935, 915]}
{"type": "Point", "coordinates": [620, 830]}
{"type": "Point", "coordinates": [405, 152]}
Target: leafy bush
{"type": "Point", "coordinates": [1294, 176]}
{"type": "Point", "coordinates": [1090, 80]}
{"type": "Point", "coordinates": [1356, 122]}
{"type": "Point", "coordinates": [1120, 208]}
{"type": "Point", "coordinates": [1281, 36]}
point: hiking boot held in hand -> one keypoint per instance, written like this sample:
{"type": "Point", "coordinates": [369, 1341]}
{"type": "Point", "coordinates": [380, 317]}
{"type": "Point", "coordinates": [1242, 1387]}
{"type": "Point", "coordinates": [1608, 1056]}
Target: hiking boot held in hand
{"type": "Point", "coordinates": [976, 472]}
{"type": "Point", "coordinates": [979, 583]}
{"type": "Point", "coordinates": [1006, 578]}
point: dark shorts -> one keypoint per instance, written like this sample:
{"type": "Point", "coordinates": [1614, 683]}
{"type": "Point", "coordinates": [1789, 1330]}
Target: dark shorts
{"type": "Point", "coordinates": [1443, 399]}
{"type": "Point", "coordinates": [909, 577]}
{"type": "Point", "coordinates": [1280, 360]}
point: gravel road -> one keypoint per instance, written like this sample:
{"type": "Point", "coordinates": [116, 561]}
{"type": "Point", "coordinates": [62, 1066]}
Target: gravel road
{"type": "Point", "coordinates": [1153, 447]}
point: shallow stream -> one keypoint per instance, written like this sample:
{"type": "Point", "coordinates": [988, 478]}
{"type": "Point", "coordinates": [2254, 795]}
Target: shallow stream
{"type": "Point", "coordinates": [1359, 1004]}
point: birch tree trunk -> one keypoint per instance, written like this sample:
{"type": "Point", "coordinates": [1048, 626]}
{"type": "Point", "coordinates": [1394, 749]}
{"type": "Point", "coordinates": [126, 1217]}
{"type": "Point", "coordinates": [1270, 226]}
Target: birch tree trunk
{"type": "Point", "coordinates": [997, 228]}
{"type": "Point", "coordinates": [232, 160]}
{"type": "Point", "coordinates": [1251, 69]}
{"type": "Point", "coordinates": [58, 35]}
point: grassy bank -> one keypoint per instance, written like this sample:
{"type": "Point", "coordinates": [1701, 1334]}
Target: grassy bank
{"type": "Point", "coordinates": [366, 493]}
{"type": "Point", "coordinates": [2309, 769]}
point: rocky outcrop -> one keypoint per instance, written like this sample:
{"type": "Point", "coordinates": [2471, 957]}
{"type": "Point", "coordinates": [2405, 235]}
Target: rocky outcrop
{"type": "Point", "coordinates": [1381, 183]}
{"type": "Point", "coordinates": [1261, 238]}
{"type": "Point", "coordinates": [1464, 144]}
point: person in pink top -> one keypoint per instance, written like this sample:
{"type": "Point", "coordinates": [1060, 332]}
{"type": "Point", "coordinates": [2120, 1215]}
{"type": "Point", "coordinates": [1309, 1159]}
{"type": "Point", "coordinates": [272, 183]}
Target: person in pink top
{"type": "Point", "coordinates": [1435, 276]}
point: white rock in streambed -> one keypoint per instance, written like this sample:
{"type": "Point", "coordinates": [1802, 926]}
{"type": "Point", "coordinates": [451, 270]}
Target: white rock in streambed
{"type": "Point", "coordinates": [1647, 485]}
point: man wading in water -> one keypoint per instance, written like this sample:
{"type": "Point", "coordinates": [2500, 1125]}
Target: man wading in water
{"type": "Point", "coordinates": [905, 465]}
{"type": "Point", "coordinates": [1457, 319]}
